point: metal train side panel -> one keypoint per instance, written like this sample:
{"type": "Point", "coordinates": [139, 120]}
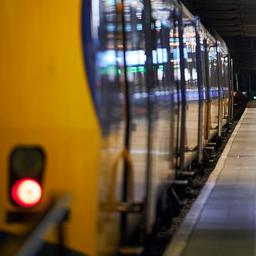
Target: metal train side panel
{"type": "Point", "coordinates": [45, 100]}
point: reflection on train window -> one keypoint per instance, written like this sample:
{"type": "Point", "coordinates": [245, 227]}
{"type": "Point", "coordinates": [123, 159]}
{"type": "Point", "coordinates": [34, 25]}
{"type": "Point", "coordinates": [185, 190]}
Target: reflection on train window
{"type": "Point", "coordinates": [135, 49]}
{"type": "Point", "coordinates": [106, 29]}
{"type": "Point", "coordinates": [189, 38]}
{"type": "Point", "coordinates": [225, 75]}
{"type": "Point", "coordinates": [213, 72]}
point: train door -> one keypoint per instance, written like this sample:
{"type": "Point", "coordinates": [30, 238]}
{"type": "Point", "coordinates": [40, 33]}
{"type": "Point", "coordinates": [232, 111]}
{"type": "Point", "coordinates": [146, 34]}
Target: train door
{"type": "Point", "coordinates": [204, 87]}
{"type": "Point", "coordinates": [231, 90]}
{"type": "Point", "coordinates": [149, 89]}
{"type": "Point", "coordinates": [207, 90]}
{"type": "Point", "coordinates": [201, 81]}
{"type": "Point", "coordinates": [213, 89]}
{"type": "Point", "coordinates": [220, 85]}
{"type": "Point", "coordinates": [225, 87]}
{"type": "Point", "coordinates": [137, 132]}
{"type": "Point", "coordinates": [221, 81]}
{"type": "Point", "coordinates": [177, 95]}
{"type": "Point", "coordinates": [162, 116]}
{"type": "Point", "coordinates": [103, 46]}
{"type": "Point", "coordinates": [191, 93]}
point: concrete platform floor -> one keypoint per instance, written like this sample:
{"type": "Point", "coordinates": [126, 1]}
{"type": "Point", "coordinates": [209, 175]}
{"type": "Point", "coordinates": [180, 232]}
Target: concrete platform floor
{"type": "Point", "coordinates": [222, 221]}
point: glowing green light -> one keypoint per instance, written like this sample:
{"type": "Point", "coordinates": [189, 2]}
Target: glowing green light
{"type": "Point", "coordinates": [136, 69]}
{"type": "Point", "coordinates": [254, 97]}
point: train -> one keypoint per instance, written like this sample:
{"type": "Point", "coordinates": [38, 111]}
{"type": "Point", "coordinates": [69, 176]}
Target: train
{"type": "Point", "coordinates": [109, 103]}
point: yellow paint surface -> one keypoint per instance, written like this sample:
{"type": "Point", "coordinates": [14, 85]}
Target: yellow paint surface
{"type": "Point", "coordinates": [45, 101]}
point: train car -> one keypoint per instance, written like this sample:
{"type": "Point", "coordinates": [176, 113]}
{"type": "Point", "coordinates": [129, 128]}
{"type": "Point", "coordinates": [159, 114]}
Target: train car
{"type": "Point", "coordinates": [109, 102]}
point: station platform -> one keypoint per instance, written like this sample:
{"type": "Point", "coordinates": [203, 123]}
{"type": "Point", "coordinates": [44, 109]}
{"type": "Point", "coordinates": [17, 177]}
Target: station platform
{"type": "Point", "coordinates": [222, 220]}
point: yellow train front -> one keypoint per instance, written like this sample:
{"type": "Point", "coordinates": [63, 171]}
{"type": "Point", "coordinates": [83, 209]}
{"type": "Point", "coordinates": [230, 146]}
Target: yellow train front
{"type": "Point", "coordinates": [98, 106]}
{"type": "Point", "coordinates": [49, 133]}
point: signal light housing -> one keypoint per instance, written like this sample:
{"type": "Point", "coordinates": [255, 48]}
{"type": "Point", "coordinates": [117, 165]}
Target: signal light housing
{"type": "Point", "coordinates": [26, 173]}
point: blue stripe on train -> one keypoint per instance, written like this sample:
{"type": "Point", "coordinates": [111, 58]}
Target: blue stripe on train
{"type": "Point", "coordinates": [89, 49]}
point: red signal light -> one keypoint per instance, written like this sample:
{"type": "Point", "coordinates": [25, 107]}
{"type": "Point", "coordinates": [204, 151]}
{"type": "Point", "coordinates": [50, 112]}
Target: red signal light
{"type": "Point", "coordinates": [27, 192]}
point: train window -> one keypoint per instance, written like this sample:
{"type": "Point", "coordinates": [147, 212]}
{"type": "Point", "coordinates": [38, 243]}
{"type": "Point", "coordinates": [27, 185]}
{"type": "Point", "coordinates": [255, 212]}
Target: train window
{"type": "Point", "coordinates": [213, 71]}
{"type": "Point", "coordinates": [189, 38]}
{"type": "Point", "coordinates": [102, 41]}
{"type": "Point", "coordinates": [225, 74]}
{"type": "Point", "coordinates": [164, 86]}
